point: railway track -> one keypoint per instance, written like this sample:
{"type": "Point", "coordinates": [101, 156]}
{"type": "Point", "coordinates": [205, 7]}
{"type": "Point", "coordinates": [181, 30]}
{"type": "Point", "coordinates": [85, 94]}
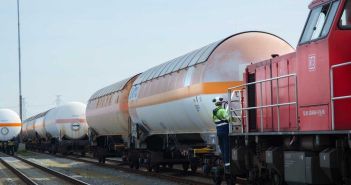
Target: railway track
{"type": "Point", "coordinates": [240, 180]}
{"type": "Point", "coordinates": [170, 175]}
{"type": "Point", "coordinates": [34, 174]}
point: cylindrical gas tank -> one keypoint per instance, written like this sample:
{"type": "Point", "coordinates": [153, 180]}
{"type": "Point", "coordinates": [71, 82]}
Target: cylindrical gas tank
{"type": "Point", "coordinates": [67, 121]}
{"type": "Point", "coordinates": [107, 109]}
{"type": "Point", "coordinates": [10, 124]}
{"type": "Point", "coordinates": [38, 126]}
{"type": "Point", "coordinates": [33, 127]}
{"type": "Point", "coordinates": [176, 97]}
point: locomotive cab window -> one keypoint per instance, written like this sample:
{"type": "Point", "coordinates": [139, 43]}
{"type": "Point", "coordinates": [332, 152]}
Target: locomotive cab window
{"type": "Point", "coordinates": [319, 22]}
{"type": "Point", "coordinates": [345, 21]}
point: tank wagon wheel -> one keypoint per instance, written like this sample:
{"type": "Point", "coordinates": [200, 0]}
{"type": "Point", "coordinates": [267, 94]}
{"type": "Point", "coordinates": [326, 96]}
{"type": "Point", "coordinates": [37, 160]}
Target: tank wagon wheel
{"type": "Point", "coordinates": [217, 179]}
{"type": "Point", "coordinates": [131, 164]}
{"type": "Point", "coordinates": [148, 166]}
{"type": "Point", "coordinates": [137, 165]}
{"type": "Point", "coordinates": [230, 180]}
{"type": "Point", "coordinates": [133, 160]}
{"type": "Point", "coordinates": [276, 178]}
{"type": "Point", "coordinates": [102, 159]}
{"type": "Point", "coordinates": [185, 167]}
{"type": "Point", "coordinates": [170, 165]}
{"type": "Point", "coordinates": [134, 163]}
{"type": "Point", "coordinates": [156, 168]}
{"type": "Point", "coordinates": [193, 168]}
{"type": "Point", "coordinates": [164, 165]}
{"type": "Point", "coordinates": [52, 150]}
{"type": "Point", "coordinates": [194, 164]}
{"type": "Point", "coordinates": [206, 169]}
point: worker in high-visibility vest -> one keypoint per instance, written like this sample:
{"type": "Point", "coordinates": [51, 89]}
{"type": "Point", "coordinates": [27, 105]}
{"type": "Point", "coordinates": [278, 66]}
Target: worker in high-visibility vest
{"type": "Point", "coordinates": [221, 119]}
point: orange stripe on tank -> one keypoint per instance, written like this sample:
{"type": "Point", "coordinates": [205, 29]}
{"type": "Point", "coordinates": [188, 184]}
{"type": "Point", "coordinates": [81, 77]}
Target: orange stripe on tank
{"type": "Point", "coordinates": [70, 121]}
{"type": "Point", "coordinates": [185, 92]}
{"type": "Point", "coordinates": [10, 124]}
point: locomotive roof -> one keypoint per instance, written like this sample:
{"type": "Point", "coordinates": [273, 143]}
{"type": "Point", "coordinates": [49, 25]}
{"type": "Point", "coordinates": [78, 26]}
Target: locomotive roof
{"type": "Point", "coordinates": [110, 89]}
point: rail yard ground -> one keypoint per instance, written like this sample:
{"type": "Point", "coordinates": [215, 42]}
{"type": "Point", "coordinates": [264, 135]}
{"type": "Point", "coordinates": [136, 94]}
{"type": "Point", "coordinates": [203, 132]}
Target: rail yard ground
{"type": "Point", "coordinates": [85, 169]}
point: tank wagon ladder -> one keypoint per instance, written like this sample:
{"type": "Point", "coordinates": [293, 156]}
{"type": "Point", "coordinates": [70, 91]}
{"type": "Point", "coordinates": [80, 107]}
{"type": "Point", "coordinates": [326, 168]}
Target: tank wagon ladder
{"type": "Point", "coordinates": [246, 110]}
{"type": "Point", "coordinates": [332, 97]}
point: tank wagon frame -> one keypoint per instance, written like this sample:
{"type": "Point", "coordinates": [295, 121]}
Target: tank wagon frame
{"type": "Point", "coordinates": [296, 108]}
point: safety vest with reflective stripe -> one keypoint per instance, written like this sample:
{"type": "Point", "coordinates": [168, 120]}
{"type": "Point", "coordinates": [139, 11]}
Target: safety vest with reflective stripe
{"type": "Point", "coordinates": [220, 115]}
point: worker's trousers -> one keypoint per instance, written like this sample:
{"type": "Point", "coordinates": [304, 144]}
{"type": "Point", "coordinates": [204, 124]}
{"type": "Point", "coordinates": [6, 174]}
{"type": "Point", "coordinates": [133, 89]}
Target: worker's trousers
{"type": "Point", "coordinates": [223, 141]}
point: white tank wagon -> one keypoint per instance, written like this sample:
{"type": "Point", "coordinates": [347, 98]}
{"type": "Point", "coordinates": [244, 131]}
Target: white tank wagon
{"type": "Point", "coordinates": [61, 129]}
{"type": "Point", "coordinates": [33, 129]}
{"type": "Point", "coordinates": [108, 116]}
{"type": "Point", "coordinates": [67, 121]}
{"type": "Point", "coordinates": [10, 128]}
{"type": "Point", "coordinates": [171, 104]}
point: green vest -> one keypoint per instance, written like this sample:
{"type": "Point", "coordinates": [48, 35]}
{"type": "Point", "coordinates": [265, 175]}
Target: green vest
{"type": "Point", "coordinates": [220, 114]}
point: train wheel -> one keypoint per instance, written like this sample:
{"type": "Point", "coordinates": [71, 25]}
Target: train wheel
{"type": "Point", "coordinates": [276, 179]}
{"type": "Point", "coordinates": [137, 164]}
{"type": "Point", "coordinates": [185, 166]}
{"type": "Point", "coordinates": [206, 169]}
{"type": "Point", "coordinates": [193, 168]}
{"type": "Point", "coordinates": [149, 167]}
{"type": "Point", "coordinates": [12, 150]}
{"type": "Point", "coordinates": [131, 164]}
{"type": "Point", "coordinates": [217, 180]}
{"type": "Point", "coordinates": [156, 168]}
{"type": "Point", "coordinates": [231, 180]}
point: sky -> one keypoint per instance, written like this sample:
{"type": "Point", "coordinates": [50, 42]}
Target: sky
{"type": "Point", "coordinates": [74, 48]}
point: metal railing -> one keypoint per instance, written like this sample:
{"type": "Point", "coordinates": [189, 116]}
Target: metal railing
{"type": "Point", "coordinates": [261, 107]}
{"type": "Point", "coordinates": [332, 98]}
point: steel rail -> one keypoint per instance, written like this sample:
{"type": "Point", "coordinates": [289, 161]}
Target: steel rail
{"type": "Point", "coordinates": [119, 165]}
{"type": "Point", "coordinates": [139, 172]}
{"type": "Point", "coordinates": [18, 173]}
{"type": "Point", "coordinates": [52, 172]}
{"type": "Point", "coordinates": [134, 171]}
{"type": "Point", "coordinates": [28, 180]}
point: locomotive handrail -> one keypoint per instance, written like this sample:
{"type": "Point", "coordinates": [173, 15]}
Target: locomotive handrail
{"type": "Point", "coordinates": [261, 107]}
{"type": "Point", "coordinates": [260, 81]}
{"type": "Point", "coordinates": [332, 97]}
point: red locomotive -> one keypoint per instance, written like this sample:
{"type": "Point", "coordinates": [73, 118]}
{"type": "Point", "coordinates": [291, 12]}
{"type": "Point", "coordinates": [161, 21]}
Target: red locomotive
{"type": "Point", "coordinates": [296, 108]}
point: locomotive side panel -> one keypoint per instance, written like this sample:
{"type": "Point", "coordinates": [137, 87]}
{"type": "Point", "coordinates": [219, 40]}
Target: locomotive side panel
{"type": "Point", "coordinates": [340, 53]}
{"type": "Point", "coordinates": [275, 92]}
{"type": "Point", "coordinates": [281, 66]}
